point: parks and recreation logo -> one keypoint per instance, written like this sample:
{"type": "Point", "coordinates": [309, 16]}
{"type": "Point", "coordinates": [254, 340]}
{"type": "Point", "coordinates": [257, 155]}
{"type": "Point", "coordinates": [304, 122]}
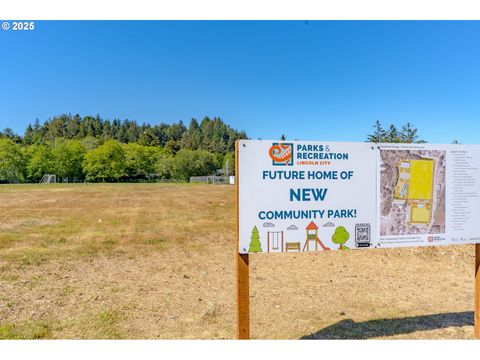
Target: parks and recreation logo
{"type": "Point", "coordinates": [283, 154]}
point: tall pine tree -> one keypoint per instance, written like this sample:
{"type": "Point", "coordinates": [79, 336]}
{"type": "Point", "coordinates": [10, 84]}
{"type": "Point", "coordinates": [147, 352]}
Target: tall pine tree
{"type": "Point", "coordinates": [255, 245]}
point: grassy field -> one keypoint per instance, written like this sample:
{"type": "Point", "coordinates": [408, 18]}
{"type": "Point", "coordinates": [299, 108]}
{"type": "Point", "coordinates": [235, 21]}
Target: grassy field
{"type": "Point", "coordinates": [132, 261]}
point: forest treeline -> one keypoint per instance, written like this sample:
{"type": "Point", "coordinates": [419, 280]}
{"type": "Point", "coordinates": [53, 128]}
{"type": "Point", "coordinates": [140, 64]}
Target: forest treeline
{"type": "Point", "coordinates": [76, 148]}
{"type": "Point", "coordinates": [94, 149]}
{"type": "Point", "coordinates": [406, 134]}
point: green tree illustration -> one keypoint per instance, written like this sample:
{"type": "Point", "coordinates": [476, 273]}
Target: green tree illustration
{"type": "Point", "coordinates": [340, 237]}
{"type": "Point", "coordinates": [255, 245]}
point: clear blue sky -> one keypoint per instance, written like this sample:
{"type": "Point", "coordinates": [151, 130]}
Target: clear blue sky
{"type": "Point", "coordinates": [316, 80]}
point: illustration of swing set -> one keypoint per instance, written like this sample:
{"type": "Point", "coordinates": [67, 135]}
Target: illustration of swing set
{"type": "Point", "coordinates": [276, 243]}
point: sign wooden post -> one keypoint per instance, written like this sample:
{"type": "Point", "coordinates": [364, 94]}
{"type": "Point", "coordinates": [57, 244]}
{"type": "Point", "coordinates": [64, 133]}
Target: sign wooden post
{"type": "Point", "coordinates": [476, 312]}
{"type": "Point", "coordinates": [243, 290]}
{"type": "Point", "coordinates": [243, 298]}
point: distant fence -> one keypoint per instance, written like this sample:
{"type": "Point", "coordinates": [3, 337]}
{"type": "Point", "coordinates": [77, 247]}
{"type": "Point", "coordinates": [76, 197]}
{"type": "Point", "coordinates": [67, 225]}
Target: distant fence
{"type": "Point", "coordinates": [213, 179]}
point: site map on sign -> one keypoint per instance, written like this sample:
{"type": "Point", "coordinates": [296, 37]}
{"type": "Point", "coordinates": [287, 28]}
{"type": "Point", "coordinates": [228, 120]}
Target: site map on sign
{"type": "Point", "coordinates": [412, 192]}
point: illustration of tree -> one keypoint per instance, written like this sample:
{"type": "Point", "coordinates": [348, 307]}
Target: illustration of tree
{"type": "Point", "coordinates": [255, 245]}
{"type": "Point", "coordinates": [340, 237]}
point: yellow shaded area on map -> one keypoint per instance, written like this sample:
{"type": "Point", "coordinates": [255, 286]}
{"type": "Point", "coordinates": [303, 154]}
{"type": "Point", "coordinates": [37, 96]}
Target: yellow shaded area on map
{"type": "Point", "coordinates": [421, 179]}
{"type": "Point", "coordinates": [419, 215]}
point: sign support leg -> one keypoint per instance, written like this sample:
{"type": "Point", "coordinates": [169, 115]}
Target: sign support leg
{"type": "Point", "coordinates": [243, 291]}
{"type": "Point", "coordinates": [476, 313]}
{"type": "Point", "coordinates": [243, 297]}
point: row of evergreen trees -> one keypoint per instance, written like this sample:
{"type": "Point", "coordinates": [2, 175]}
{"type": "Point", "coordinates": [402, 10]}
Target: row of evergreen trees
{"type": "Point", "coordinates": [94, 149]}
{"type": "Point", "coordinates": [210, 134]}
{"type": "Point", "coordinates": [407, 134]}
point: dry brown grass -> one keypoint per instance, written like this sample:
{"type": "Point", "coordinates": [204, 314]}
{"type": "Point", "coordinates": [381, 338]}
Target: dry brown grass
{"type": "Point", "coordinates": [157, 261]}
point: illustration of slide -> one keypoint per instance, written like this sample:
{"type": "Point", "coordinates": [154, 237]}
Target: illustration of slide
{"type": "Point", "coordinates": [312, 235]}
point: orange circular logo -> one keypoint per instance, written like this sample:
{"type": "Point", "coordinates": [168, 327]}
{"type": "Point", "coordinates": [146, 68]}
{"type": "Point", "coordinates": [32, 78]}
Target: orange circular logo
{"type": "Point", "coordinates": [281, 153]}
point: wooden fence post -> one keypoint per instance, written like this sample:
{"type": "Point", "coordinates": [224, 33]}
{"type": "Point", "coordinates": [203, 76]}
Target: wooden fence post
{"type": "Point", "coordinates": [476, 313]}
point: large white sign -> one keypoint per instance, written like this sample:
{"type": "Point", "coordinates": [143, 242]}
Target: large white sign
{"type": "Point", "coordinates": [310, 196]}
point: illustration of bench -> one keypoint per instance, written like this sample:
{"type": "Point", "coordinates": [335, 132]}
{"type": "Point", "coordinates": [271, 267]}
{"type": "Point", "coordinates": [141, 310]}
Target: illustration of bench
{"type": "Point", "coordinates": [290, 246]}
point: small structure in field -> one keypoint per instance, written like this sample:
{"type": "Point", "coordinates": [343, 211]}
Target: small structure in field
{"type": "Point", "coordinates": [48, 179]}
